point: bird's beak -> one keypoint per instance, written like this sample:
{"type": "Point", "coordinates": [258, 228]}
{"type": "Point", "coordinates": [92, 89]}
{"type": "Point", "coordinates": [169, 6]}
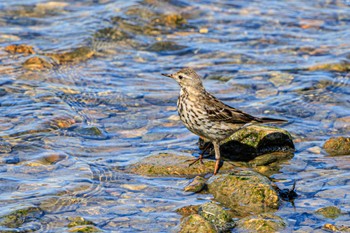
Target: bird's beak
{"type": "Point", "coordinates": [168, 75]}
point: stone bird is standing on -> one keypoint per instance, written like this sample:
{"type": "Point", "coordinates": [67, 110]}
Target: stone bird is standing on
{"type": "Point", "coordinates": [205, 115]}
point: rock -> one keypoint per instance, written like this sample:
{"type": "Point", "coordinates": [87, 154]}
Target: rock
{"type": "Point", "coordinates": [217, 216]}
{"type": "Point", "coordinates": [255, 140]}
{"type": "Point", "coordinates": [90, 132]}
{"type": "Point", "coordinates": [269, 164]}
{"type": "Point", "coordinates": [329, 212]}
{"type": "Point", "coordinates": [85, 228]}
{"type": "Point", "coordinates": [19, 48]}
{"type": "Point", "coordinates": [170, 20]}
{"type": "Point", "coordinates": [281, 79]}
{"type": "Point", "coordinates": [196, 185]}
{"type": "Point", "coordinates": [77, 55]}
{"type": "Point", "coordinates": [37, 63]}
{"type": "Point", "coordinates": [188, 210]}
{"type": "Point", "coordinates": [18, 217]}
{"type": "Point", "coordinates": [335, 228]}
{"type": "Point", "coordinates": [111, 34]}
{"type": "Point", "coordinates": [342, 123]}
{"type": "Point", "coordinates": [78, 221]}
{"type": "Point", "coordinates": [261, 223]}
{"type": "Point", "coordinates": [337, 67]}
{"type": "Point", "coordinates": [196, 223]}
{"type": "Point", "coordinates": [165, 46]}
{"type": "Point", "coordinates": [244, 191]}
{"type": "Point", "coordinates": [337, 146]}
{"type": "Point", "coordinates": [173, 165]}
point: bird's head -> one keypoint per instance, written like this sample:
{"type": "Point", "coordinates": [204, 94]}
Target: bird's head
{"type": "Point", "coordinates": [188, 79]}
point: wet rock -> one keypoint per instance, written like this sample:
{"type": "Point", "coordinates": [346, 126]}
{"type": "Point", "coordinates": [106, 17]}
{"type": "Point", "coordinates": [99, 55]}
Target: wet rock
{"type": "Point", "coordinates": [244, 191]}
{"type": "Point", "coordinates": [111, 34]}
{"type": "Point", "coordinates": [173, 165]}
{"type": "Point", "coordinates": [196, 185]}
{"type": "Point", "coordinates": [93, 132]}
{"type": "Point", "coordinates": [188, 210]}
{"type": "Point", "coordinates": [329, 212]}
{"type": "Point", "coordinates": [134, 187]}
{"type": "Point", "coordinates": [196, 223]}
{"type": "Point", "coordinates": [170, 20]}
{"type": "Point", "coordinates": [268, 164]}
{"type": "Point", "coordinates": [78, 221]}
{"type": "Point", "coordinates": [75, 56]}
{"type": "Point", "coordinates": [5, 147]}
{"type": "Point", "coordinates": [335, 228]}
{"type": "Point", "coordinates": [85, 228]}
{"type": "Point", "coordinates": [18, 217]}
{"type": "Point", "coordinates": [342, 123]}
{"type": "Point", "coordinates": [280, 79]}
{"type": "Point", "coordinates": [217, 216]}
{"type": "Point", "coordinates": [253, 141]}
{"type": "Point", "coordinates": [337, 146]}
{"type": "Point", "coordinates": [19, 48]}
{"type": "Point", "coordinates": [165, 46]}
{"type": "Point", "coordinates": [261, 223]}
{"type": "Point", "coordinates": [62, 122]}
{"type": "Point", "coordinates": [37, 63]}
{"type": "Point", "coordinates": [337, 67]}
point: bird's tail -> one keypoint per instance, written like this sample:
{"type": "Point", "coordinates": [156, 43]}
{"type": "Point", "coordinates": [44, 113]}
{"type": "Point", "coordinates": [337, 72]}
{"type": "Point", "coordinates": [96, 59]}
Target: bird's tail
{"type": "Point", "coordinates": [272, 120]}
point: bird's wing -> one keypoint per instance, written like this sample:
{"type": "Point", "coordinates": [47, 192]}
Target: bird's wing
{"type": "Point", "coordinates": [218, 111]}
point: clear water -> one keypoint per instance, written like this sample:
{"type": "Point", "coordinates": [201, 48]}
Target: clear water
{"type": "Point", "coordinates": [254, 55]}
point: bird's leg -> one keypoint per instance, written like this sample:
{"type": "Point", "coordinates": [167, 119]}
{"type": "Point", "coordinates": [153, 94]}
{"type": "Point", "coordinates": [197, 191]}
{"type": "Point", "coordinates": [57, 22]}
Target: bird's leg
{"type": "Point", "coordinates": [200, 158]}
{"type": "Point", "coordinates": [217, 156]}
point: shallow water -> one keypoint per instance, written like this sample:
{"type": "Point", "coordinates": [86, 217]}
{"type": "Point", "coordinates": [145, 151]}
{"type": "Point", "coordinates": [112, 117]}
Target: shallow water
{"type": "Point", "coordinates": [257, 56]}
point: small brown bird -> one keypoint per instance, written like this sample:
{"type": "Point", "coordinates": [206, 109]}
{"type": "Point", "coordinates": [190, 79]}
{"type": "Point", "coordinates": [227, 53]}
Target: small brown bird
{"type": "Point", "coordinates": [205, 115]}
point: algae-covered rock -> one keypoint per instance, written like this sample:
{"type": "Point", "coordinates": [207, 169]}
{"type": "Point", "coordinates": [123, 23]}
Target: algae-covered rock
{"type": "Point", "coordinates": [188, 210]}
{"type": "Point", "coordinates": [217, 216]}
{"type": "Point", "coordinates": [196, 223]}
{"type": "Point", "coordinates": [268, 164]}
{"type": "Point", "coordinates": [19, 48]}
{"type": "Point", "coordinates": [18, 217]}
{"type": "Point", "coordinates": [165, 46]}
{"type": "Point", "coordinates": [37, 63]}
{"type": "Point", "coordinates": [246, 192]}
{"type": "Point", "coordinates": [265, 223]}
{"type": "Point", "coordinates": [329, 212]}
{"type": "Point", "coordinates": [85, 228]}
{"type": "Point", "coordinates": [337, 67]}
{"type": "Point", "coordinates": [337, 146]}
{"type": "Point", "coordinates": [196, 185]}
{"type": "Point", "coordinates": [173, 165]}
{"type": "Point", "coordinates": [77, 55]}
{"type": "Point", "coordinates": [335, 228]}
{"type": "Point", "coordinates": [255, 140]}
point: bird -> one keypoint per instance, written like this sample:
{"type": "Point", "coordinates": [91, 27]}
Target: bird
{"type": "Point", "coordinates": [206, 116]}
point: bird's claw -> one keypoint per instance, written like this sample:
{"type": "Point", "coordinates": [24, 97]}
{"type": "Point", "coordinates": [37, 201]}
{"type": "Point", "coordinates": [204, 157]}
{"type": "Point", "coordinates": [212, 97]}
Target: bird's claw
{"type": "Point", "coordinates": [193, 161]}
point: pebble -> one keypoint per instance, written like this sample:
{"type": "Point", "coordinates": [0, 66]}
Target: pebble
{"type": "Point", "coordinates": [134, 187]}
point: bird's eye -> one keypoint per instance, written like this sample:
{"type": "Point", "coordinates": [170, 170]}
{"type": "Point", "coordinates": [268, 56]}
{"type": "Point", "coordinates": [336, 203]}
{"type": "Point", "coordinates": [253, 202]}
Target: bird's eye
{"type": "Point", "coordinates": [181, 77]}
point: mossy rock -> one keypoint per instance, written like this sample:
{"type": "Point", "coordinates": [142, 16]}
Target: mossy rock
{"type": "Point", "coordinates": [335, 228]}
{"type": "Point", "coordinates": [337, 146]}
{"type": "Point", "coordinates": [336, 67]}
{"type": "Point", "coordinates": [265, 223]}
{"type": "Point", "coordinates": [197, 185]}
{"type": "Point", "coordinates": [18, 217]}
{"type": "Point", "coordinates": [244, 191]}
{"type": "Point", "coordinates": [217, 215]}
{"type": "Point", "coordinates": [197, 224]}
{"type": "Point", "coordinates": [85, 228]}
{"type": "Point", "coordinates": [329, 212]}
{"type": "Point", "coordinates": [174, 165]}
{"type": "Point", "coordinates": [250, 142]}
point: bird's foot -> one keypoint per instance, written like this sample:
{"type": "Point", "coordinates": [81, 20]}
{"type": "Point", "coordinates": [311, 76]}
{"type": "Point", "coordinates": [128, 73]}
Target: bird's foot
{"type": "Point", "coordinates": [217, 166]}
{"type": "Point", "coordinates": [193, 161]}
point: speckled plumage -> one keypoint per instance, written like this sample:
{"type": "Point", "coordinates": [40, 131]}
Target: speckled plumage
{"type": "Point", "coordinates": [205, 115]}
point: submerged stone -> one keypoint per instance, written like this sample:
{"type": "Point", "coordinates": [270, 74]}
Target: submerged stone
{"type": "Point", "coordinates": [244, 191]}
{"type": "Point", "coordinates": [188, 210]}
{"type": "Point", "coordinates": [336, 228]}
{"type": "Point", "coordinates": [337, 146]}
{"type": "Point", "coordinates": [77, 55]}
{"type": "Point", "coordinates": [19, 48]}
{"type": "Point", "coordinates": [329, 212]}
{"type": "Point", "coordinates": [264, 223]}
{"type": "Point", "coordinates": [78, 221]}
{"type": "Point", "coordinates": [196, 223]}
{"type": "Point", "coordinates": [196, 185]}
{"type": "Point", "coordinates": [165, 46]}
{"type": "Point", "coordinates": [18, 217]}
{"type": "Point", "coordinates": [217, 216]}
{"type": "Point", "coordinates": [173, 165]}
{"type": "Point", "coordinates": [37, 63]}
